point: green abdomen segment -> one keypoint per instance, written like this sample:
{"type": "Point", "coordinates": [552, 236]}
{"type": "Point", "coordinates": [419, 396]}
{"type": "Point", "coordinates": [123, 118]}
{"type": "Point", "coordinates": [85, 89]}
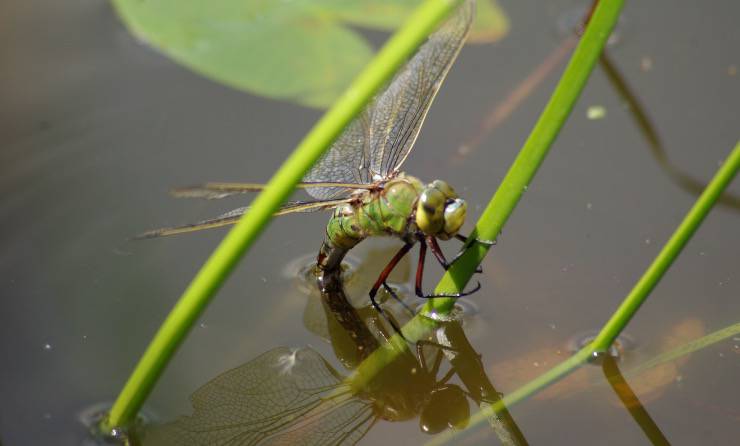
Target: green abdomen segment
{"type": "Point", "coordinates": [385, 212]}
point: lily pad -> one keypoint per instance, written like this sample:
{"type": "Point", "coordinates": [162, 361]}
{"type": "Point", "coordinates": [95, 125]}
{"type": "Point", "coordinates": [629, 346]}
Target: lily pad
{"type": "Point", "coordinates": [303, 51]}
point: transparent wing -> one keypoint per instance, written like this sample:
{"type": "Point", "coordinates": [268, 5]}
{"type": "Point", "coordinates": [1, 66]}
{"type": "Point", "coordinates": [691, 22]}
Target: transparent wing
{"type": "Point", "coordinates": [284, 396]}
{"type": "Point", "coordinates": [378, 141]}
{"type": "Point", "coordinates": [347, 160]}
{"type": "Point", "coordinates": [400, 111]}
{"type": "Point", "coordinates": [233, 216]}
{"type": "Point", "coordinates": [213, 191]}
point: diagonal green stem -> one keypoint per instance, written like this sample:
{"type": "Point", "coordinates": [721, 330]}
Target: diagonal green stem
{"type": "Point", "coordinates": [223, 260]}
{"type": "Point", "coordinates": [668, 254]}
{"type": "Point", "coordinates": [631, 303]}
{"type": "Point", "coordinates": [520, 174]}
{"type": "Point", "coordinates": [532, 154]}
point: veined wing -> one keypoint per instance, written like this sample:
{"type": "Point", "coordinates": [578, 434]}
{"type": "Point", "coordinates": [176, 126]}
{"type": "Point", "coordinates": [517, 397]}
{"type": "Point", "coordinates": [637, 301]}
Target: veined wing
{"type": "Point", "coordinates": [212, 191]}
{"type": "Point", "coordinates": [233, 216]}
{"type": "Point", "coordinates": [399, 112]}
{"type": "Point", "coordinates": [378, 141]}
{"type": "Point", "coordinates": [284, 396]}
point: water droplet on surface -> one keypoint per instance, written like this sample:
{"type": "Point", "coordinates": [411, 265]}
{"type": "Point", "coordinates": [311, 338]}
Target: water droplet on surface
{"type": "Point", "coordinates": [48, 347]}
{"type": "Point", "coordinates": [624, 343]}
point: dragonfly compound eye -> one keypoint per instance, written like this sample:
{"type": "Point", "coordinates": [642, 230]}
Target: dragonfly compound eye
{"type": "Point", "coordinates": [454, 216]}
{"type": "Point", "coordinates": [430, 211]}
{"type": "Point", "coordinates": [445, 188]}
{"type": "Point", "coordinates": [447, 407]}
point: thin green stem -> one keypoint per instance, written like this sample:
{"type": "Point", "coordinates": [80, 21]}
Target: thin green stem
{"type": "Point", "coordinates": [688, 348]}
{"type": "Point", "coordinates": [520, 174]}
{"type": "Point", "coordinates": [631, 303]}
{"type": "Point", "coordinates": [552, 119]}
{"type": "Point", "coordinates": [669, 253]}
{"type": "Point", "coordinates": [223, 260]}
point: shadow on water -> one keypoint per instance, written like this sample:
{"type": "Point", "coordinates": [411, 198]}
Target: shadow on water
{"type": "Point", "coordinates": [291, 395]}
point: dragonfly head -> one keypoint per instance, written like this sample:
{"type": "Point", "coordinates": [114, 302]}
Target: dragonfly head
{"type": "Point", "coordinates": [439, 211]}
{"type": "Point", "coordinates": [447, 408]}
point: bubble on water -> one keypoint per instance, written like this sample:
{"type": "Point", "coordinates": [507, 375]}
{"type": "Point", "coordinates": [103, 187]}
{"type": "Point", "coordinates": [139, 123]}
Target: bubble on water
{"type": "Point", "coordinates": [623, 344]}
{"type": "Point", "coordinates": [463, 311]}
{"type": "Point", "coordinates": [92, 417]}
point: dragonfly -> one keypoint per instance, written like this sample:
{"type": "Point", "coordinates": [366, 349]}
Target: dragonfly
{"type": "Point", "coordinates": [360, 176]}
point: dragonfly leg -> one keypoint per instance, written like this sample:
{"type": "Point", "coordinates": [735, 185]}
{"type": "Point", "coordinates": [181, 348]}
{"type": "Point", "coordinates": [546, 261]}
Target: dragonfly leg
{"type": "Point", "coordinates": [437, 251]}
{"type": "Point", "coordinates": [422, 358]}
{"type": "Point", "coordinates": [438, 359]}
{"type": "Point", "coordinates": [382, 282]}
{"type": "Point", "coordinates": [463, 239]}
{"type": "Point", "coordinates": [420, 275]}
{"type": "Point", "coordinates": [393, 294]}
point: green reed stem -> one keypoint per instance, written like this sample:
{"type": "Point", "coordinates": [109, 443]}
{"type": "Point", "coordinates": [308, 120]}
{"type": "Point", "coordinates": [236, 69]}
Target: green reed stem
{"type": "Point", "coordinates": [516, 181]}
{"type": "Point", "coordinates": [505, 199]}
{"type": "Point", "coordinates": [687, 348]}
{"type": "Point", "coordinates": [223, 260]}
{"type": "Point", "coordinates": [668, 254]}
{"type": "Point", "coordinates": [631, 303]}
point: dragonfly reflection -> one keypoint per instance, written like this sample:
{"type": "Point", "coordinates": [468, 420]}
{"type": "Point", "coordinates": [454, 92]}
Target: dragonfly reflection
{"type": "Point", "coordinates": [295, 396]}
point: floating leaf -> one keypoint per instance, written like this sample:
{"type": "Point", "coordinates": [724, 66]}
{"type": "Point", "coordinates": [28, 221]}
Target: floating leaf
{"type": "Point", "coordinates": [300, 50]}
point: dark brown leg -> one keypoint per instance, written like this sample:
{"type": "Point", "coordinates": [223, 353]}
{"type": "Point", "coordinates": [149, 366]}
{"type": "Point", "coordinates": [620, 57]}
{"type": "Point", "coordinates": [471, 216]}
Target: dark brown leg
{"type": "Point", "coordinates": [381, 282]}
{"type": "Point", "coordinates": [420, 273]}
{"type": "Point", "coordinates": [463, 239]}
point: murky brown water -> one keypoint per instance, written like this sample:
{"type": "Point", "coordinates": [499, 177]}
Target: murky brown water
{"type": "Point", "coordinates": [96, 127]}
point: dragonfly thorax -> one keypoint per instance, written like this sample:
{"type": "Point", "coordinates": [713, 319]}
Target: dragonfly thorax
{"type": "Point", "coordinates": [439, 211]}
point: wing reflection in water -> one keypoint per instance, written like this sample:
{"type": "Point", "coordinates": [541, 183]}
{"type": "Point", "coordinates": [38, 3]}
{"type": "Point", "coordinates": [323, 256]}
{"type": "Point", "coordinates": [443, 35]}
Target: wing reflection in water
{"type": "Point", "coordinates": [294, 396]}
{"type": "Point", "coordinates": [284, 396]}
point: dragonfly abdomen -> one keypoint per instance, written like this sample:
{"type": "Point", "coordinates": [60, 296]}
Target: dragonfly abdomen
{"type": "Point", "coordinates": [388, 211]}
